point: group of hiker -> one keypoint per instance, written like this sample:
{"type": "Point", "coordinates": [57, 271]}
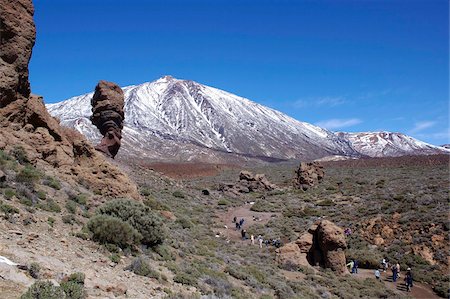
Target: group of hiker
{"type": "Point", "coordinates": [395, 268]}
{"type": "Point", "coordinates": [260, 240]}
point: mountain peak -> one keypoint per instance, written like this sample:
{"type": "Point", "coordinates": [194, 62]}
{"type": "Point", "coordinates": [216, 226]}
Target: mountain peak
{"type": "Point", "coordinates": [180, 119]}
{"type": "Point", "coordinates": [166, 78]}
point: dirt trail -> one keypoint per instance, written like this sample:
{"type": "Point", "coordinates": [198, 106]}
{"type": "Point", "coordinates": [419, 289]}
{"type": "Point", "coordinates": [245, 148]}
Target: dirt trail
{"type": "Point", "coordinates": [419, 290]}
{"type": "Point", "coordinates": [250, 218]}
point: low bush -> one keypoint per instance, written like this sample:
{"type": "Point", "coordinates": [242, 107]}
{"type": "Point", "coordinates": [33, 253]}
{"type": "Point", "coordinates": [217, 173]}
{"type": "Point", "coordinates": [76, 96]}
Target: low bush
{"type": "Point", "coordinates": [178, 194]}
{"type": "Point", "coordinates": [28, 175]}
{"type": "Point", "coordinates": [34, 269]}
{"type": "Point", "coordinates": [140, 217]}
{"type": "Point", "coordinates": [18, 152]}
{"type": "Point", "coordinates": [44, 289]}
{"type": "Point", "coordinates": [109, 229]}
{"type": "Point", "coordinates": [50, 205]}
{"type": "Point", "coordinates": [9, 193]}
{"type": "Point", "coordinates": [141, 267]}
{"type": "Point", "coordinates": [52, 182]}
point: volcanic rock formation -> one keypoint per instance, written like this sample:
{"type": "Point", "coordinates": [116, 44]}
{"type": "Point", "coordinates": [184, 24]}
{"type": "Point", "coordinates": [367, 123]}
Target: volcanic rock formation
{"type": "Point", "coordinates": [107, 116]}
{"type": "Point", "coordinates": [17, 36]}
{"type": "Point", "coordinates": [25, 122]}
{"type": "Point", "coordinates": [322, 245]}
{"type": "Point", "coordinates": [248, 182]}
{"type": "Point", "coordinates": [308, 175]}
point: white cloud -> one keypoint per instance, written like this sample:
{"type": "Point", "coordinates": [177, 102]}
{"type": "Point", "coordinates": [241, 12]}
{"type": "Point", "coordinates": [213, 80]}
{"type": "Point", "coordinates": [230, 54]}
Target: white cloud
{"type": "Point", "coordinates": [336, 123]}
{"type": "Point", "coordinates": [320, 102]}
{"type": "Point", "coordinates": [421, 125]}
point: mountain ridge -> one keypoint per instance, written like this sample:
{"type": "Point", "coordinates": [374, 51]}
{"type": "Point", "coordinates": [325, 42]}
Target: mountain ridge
{"type": "Point", "coordinates": [183, 120]}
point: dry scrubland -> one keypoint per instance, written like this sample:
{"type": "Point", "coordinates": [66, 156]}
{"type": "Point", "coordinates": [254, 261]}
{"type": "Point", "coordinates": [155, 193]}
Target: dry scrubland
{"type": "Point", "coordinates": [169, 246]}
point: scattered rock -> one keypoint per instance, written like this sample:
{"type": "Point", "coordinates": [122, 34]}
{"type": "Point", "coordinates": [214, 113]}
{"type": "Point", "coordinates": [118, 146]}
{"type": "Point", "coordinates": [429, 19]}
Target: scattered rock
{"type": "Point", "coordinates": [205, 192]}
{"type": "Point", "coordinates": [322, 245]}
{"type": "Point", "coordinates": [247, 183]}
{"type": "Point", "coordinates": [107, 116]}
{"type": "Point", "coordinates": [308, 175]}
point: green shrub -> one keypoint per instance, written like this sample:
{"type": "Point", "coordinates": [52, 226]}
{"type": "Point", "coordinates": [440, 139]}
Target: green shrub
{"type": "Point", "coordinates": [140, 217]}
{"type": "Point", "coordinates": [34, 269]}
{"type": "Point", "coordinates": [223, 202]}
{"type": "Point", "coordinates": [28, 175]}
{"type": "Point", "coordinates": [153, 204]}
{"type": "Point", "coordinates": [141, 267]}
{"type": "Point", "coordinates": [9, 193]}
{"type": "Point", "coordinates": [81, 199]}
{"type": "Point", "coordinates": [52, 183]}
{"type": "Point", "coordinates": [50, 205]}
{"type": "Point", "coordinates": [18, 152]}
{"type": "Point", "coordinates": [41, 194]}
{"type": "Point", "coordinates": [178, 194]}
{"type": "Point", "coordinates": [44, 290]}
{"type": "Point", "coordinates": [185, 278]}
{"type": "Point", "coordinates": [145, 192]}
{"type": "Point", "coordinates": [69, 219]}
{"type": "Point", "coordinates": [115, 258]}
{"type": "Point", "coordinates": [184, 222]}
{"type": "Point", "coordinates": [51, 221]}
{"type": "Point", "coordinates": [8, 209]}
{"type": "Point", "coordinates": [71, 207]}
{"type": "Point", "coordinates": [73, 290]}
{"type": "Point", "coordinates": [326, 202]}
{"type": "Point", "coordinates": [108, 229]}
{"type": "Point", "coordinates": [77, 277]}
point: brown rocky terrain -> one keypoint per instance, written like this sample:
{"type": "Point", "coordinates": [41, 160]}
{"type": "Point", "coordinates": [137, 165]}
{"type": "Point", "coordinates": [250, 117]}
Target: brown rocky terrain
{"type": "Point", "coordinates": [25, 122]}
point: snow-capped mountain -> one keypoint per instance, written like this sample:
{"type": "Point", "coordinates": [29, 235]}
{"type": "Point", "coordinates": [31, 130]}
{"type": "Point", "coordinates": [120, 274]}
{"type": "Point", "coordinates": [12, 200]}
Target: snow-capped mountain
{"type": "Point", "coordinates": [174, 119]}
{"type": "Point", "coordinates": [389, 144]}
{"type": "Point", "coordinates": [171, 119]}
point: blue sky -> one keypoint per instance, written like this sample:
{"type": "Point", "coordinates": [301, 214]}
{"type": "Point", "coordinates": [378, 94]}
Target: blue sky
{"type": "Point", "coordinates": [345, 65]}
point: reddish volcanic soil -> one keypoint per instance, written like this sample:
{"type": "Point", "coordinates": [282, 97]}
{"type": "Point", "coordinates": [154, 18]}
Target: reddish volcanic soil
{"type": "Point", "coordinates": [188, 170]}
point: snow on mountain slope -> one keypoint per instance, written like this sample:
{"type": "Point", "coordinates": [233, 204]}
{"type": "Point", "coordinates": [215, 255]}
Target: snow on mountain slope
{"type": "Point", "coordinates": [388, 144]}
{"type": "Point", "coordinates": [173, 119]}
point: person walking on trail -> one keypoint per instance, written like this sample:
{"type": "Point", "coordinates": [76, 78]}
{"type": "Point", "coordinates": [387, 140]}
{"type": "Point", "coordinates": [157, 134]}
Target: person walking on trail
{"type": "Point", "coordinates": [237, 226]}
{"type": "Point", "coordinates": [385, 264]}
{"type": "Point", "coordinates": [241, 222]}
{"type": "Point", "coordinates": [260, 240]}
{"type": "Point", "coordinates": [377, 274]}
{"type": "Point", "coordinates": [351, 265]}
{"type": "Point", "coordinates": [408, 280]}
{"type": "Point", "coordinates": [355, 267]}
{"type": "Point", "coordinates": [394, 273]}
{"type": "Point", "coordinates": [243, 234]}
{"type": "Point", "coordinates": [252, 238]}
{"type": "Point", "coordinates": [398, 269]}
{"type": "Point", "coordinates": [234, 219]}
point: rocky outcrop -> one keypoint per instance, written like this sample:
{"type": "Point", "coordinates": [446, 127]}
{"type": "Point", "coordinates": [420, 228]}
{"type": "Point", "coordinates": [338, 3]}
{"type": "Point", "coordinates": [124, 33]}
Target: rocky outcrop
{"type": "Point", "coordinates": [107, 116]}
{"type": "Point", "coordinates": [322, 245]}
{"type": "Point", "coordinates": [308, 175]}
{"type": "Point", "coordinates": [25, 122]}
{"type": "Point", "coordinates": [17, 36]}
{"type": "Point", "coordinates": [248, 182]}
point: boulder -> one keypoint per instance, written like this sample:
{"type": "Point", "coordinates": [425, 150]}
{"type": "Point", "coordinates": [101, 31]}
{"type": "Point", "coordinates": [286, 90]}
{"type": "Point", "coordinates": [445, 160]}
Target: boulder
{"type": "Point", "coordinates": [17, 36]}
{"type": "Point", "coordinates": [108, 116]}
{"type": "Point", "coordinates": [308, 175]}
{"type": "Point", "coordinates": [322, 245]}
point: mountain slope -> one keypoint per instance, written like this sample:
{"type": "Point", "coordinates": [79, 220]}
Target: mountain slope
{"type": "Point", "coordinates": [171, 119]}
{"type": "Point", "coordinates": [389, 144]}
{"type": "Point", "coordinates": [181, 119]}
